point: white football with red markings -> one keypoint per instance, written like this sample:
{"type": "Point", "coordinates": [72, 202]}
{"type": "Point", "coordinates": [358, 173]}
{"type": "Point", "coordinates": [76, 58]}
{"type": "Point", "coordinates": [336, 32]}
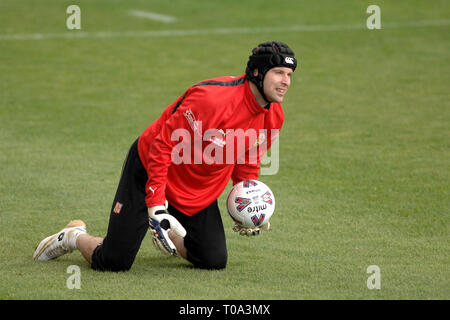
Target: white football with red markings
{"type": "Point", "coordinates": [251, 203]}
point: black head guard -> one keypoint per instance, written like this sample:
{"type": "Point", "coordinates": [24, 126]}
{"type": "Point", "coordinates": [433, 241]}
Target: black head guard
{"type": "Point", "coordinates": [266, 56]}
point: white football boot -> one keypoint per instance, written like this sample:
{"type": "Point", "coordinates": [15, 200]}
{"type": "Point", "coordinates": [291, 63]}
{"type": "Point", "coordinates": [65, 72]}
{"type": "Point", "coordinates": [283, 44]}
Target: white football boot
{"type": "Point", "coordinates": [60, 243]}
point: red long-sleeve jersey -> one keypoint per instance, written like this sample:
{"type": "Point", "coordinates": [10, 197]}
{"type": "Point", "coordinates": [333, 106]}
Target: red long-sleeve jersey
{"type": "Point", "coordinates": [204, 138]}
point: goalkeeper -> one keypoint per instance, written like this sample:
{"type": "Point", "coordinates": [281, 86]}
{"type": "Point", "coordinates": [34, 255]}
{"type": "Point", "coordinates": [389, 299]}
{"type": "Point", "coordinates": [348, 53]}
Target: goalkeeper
{"type": "Point", "coordinates": [173, 192]}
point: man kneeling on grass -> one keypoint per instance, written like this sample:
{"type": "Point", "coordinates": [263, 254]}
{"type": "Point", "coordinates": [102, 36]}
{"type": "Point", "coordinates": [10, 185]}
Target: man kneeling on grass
{"type": "Point", "coordinates": [178, 201]}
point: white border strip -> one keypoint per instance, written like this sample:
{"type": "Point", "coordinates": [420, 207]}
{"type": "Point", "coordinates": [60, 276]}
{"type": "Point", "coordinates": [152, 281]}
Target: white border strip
{"type": "Point", "coordinates": [218, 31]}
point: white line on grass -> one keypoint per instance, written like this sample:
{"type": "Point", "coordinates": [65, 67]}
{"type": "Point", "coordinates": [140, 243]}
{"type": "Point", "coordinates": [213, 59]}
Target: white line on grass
{"type": "Point", "coordinates": [152, 16]}
{"type": "Point", "coordinates": [217, 31]}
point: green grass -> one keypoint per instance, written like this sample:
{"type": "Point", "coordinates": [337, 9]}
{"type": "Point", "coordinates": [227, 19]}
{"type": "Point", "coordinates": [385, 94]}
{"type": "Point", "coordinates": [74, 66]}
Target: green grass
{"type": "Point", "coordinates": [364, 152]}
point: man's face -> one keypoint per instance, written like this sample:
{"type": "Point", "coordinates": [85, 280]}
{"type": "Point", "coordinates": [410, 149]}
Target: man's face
{"type": "Point", "coordinates": [276, 83]}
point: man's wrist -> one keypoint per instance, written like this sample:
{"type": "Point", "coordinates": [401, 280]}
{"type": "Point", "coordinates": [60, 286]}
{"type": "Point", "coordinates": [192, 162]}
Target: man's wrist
{"type": "Point", "coordinates": [153, 210]}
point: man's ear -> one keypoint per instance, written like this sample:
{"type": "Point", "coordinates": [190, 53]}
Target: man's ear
{"type": "Point", "coordinates": [255, 72]}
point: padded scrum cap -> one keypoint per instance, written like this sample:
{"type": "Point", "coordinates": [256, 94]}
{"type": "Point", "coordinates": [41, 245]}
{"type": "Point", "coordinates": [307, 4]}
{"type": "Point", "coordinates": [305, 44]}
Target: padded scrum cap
{"type": "Point", "coordinates": [266, 56]}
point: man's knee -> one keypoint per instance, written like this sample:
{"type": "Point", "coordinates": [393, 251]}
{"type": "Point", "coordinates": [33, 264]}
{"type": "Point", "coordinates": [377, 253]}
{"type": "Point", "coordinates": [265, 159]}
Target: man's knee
{"type": "Point", "coordinates": [111, 262]}
{"type": "Point", "coordinates": [120, 264]}
{"type": "Point", "coordinates": [212, 260]}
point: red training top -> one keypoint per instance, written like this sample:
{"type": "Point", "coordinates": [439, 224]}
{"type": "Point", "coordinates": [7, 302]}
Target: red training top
{"type": "Point", "coordinates": [204, 138]}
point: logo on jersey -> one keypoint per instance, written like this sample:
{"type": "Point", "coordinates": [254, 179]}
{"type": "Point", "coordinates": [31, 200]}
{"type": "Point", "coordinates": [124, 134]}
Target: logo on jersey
{"type": "Point", "coordinates": [193, 123]}
{"type": "Point", "coordinates": [260, 140]}
{"type": "Point", "coordinates": [152, 189]}
{"type": "Point", "coordinates": [219, 139]}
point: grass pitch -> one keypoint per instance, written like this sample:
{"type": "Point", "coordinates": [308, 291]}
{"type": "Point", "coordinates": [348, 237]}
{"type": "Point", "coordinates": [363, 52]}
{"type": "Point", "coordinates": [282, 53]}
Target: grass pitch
{"type": "Point", "coordinates": [364, 152]}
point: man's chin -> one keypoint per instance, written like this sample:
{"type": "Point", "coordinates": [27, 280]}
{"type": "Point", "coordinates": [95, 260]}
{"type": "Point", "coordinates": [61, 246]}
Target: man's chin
{"type": "Point", "coordinates": [276, 99]}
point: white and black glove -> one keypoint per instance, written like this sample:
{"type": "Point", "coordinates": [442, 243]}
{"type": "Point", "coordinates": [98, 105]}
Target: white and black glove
{"type": "Point", "coordinates": [161, 222]}
{"type": "Point", "coordinates": [244, 231]}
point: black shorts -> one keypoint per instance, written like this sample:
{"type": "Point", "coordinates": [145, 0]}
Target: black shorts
{"type": "Point", "coordinates": [128, 225]}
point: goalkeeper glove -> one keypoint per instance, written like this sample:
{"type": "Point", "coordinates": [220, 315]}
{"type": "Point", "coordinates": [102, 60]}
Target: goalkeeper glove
{"type": "Point", "coordinates": [244, 231]}
{"type": "Point", "coordinates": [161, 222]}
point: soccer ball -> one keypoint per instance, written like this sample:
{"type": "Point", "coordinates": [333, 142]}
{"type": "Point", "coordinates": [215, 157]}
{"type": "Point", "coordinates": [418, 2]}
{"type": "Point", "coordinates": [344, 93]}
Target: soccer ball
{"type": "Point", "coordinates": [251, 203]}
